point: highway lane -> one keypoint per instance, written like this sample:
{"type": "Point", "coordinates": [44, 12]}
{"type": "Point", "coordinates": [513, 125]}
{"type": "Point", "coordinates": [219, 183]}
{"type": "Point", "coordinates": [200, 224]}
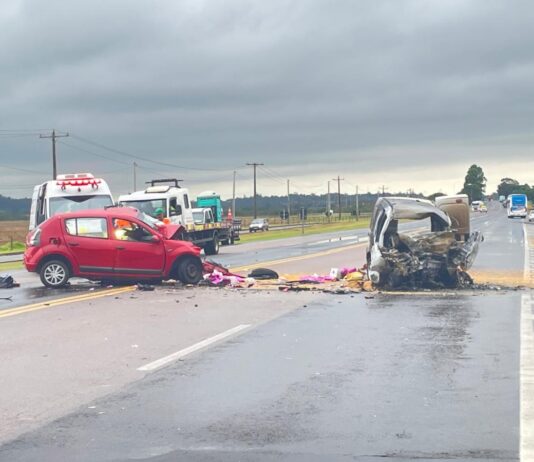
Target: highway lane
{"type": "Point", "coordinates": [312, 377]}
{"type": "Point", "coordinates": [32, 291]}
{"type": "Point", "coordinates": [402, 379]}
{"type": "Point", "coordinates": [350, 252]}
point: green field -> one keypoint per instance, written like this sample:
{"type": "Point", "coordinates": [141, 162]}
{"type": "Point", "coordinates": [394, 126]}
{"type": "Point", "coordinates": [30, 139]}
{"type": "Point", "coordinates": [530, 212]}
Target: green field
{"type": "Point", "coordinates": [313, 229]}
{"type": "Point", "coordinates": [8, 247]}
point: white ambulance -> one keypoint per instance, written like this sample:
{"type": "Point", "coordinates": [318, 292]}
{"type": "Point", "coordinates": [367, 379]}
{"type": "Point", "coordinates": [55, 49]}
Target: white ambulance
{"type": "Point", "coordinates": [68, 193]}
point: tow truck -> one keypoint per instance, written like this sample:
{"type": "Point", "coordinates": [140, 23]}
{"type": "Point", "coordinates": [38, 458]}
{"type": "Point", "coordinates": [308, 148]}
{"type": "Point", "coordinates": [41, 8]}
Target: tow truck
{"type": "Point", "coordinates": [69, 192]}
{"type": "Point", "coordinates": [166, 197]}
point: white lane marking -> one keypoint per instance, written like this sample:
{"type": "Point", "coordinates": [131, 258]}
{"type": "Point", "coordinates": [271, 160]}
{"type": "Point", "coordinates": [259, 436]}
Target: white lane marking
{"type": "Point", "coordinates": [526, 393]}
{"type": "Point", "coordinates": [340, 239]}
{"type": "Point", "coordinates": [191, 349]}
{"type": "Point", "coordinates": [526, 267]}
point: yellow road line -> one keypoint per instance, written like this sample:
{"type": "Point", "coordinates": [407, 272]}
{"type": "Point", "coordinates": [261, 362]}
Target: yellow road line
{"type": "Point", "coordinates": [62, 301]}
{"type": "Point", "coordinates": [297, 258]}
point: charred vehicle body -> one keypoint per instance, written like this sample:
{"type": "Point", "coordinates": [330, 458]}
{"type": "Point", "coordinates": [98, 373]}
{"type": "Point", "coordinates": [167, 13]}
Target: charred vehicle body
{"type": "Point", "coordinates": [439, 257]}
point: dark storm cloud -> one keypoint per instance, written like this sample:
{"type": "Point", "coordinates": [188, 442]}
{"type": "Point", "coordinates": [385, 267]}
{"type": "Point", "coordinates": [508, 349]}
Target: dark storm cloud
{"type": "Point", "coordinates": [320, 83]}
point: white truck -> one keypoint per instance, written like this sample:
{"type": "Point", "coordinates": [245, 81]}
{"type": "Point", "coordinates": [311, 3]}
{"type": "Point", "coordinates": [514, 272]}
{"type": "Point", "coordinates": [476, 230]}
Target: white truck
{"type": "Point", "coordinates": [68, 193]}
{"type": "Point", "coordinates": [203, 216]}
{"type": "Point", "coordinates": [165, 198]}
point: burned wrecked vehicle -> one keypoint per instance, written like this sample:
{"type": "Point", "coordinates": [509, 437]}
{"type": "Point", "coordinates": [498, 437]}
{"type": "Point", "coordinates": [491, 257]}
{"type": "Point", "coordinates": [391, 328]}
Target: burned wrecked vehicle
{"type": "Point", "coordinates": [438, 257]}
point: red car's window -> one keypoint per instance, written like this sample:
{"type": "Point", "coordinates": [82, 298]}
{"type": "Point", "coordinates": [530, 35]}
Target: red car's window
{"type": "Point", "coordinates": [87, 227]}
{"type": "Point", "coordinates": [126, 230]}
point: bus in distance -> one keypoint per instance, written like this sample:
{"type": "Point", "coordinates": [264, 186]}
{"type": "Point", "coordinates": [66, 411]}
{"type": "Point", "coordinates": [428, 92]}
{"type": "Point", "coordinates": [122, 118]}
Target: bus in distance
{"type": "Point", "coordinates": [517, 205]}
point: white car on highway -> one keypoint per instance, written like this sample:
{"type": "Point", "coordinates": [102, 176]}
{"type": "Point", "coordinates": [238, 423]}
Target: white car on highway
{"type": "Point", "coordinates": [530, 217]}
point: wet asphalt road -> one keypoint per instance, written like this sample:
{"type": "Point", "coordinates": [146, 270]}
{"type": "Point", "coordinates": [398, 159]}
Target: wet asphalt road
{"type": "Point", "coordinates": [403, 378]}
{"type": "Point", "coordinates": [399, 377]}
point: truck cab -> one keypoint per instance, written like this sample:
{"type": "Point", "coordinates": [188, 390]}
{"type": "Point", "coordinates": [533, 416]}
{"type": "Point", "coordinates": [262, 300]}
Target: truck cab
{"type": "Point", "coordinates": [171, 198]}
{"type": "Point", "coordinates": [203, 216]}
{"type": "Point", "coordinates": [211, 200]}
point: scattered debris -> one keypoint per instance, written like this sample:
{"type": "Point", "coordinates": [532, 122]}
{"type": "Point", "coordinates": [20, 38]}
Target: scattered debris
{"type": "Point", "coordinates": [263, 274]}
{"type": "Point", "coordinates": [7, 282]}
{"type": "Point", "coordinates": [145, 287]}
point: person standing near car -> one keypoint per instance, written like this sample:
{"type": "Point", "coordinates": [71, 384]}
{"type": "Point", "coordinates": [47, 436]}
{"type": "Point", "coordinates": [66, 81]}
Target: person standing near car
{"type": "Point", "coordinates": [159, 214]}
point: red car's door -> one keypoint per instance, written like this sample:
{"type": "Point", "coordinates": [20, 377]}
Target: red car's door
{"type": "Point", "coordinates": [138, 251]}
{"type": "Point", "coordinates": [87, 239]}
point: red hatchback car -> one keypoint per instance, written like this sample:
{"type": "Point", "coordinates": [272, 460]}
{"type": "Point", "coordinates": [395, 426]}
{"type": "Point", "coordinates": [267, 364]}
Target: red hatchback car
{"type": "Point", "coordinates": [115, 243]}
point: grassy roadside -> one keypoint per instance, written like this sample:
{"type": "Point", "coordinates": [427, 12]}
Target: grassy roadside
{"type": "Point", "coordinates": [313, 229]}
{"type": "Point", "coordinates": [8, 248]}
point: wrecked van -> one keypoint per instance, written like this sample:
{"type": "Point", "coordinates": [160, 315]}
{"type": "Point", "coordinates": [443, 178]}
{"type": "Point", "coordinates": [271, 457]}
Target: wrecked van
{"type": "Point", "coordinates": [438, 257]}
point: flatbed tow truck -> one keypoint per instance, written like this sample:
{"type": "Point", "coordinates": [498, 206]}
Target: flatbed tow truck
{"type": "Point", "coordinates": [166, 197]}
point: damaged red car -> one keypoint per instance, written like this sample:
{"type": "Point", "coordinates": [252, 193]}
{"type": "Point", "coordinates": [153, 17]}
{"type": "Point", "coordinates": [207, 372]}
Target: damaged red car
{"type": "Point", "coordinates": [109, 244]}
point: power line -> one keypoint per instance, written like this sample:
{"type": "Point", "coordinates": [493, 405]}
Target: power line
{"type": "Point", "coordinates": [273, 177]}
{"type": "Point", "coordinates": [17, 135]}
{"type": "Point", "coordinates": [37, 130]}
{"type": "Point", "coordinates": [134, 156]}
{"type": "Point", "coordinates": [283, 178]}
{"type": "Point", "coordinates": [93, 153]}
{"type": "Point", "coordinates": [23, 170]}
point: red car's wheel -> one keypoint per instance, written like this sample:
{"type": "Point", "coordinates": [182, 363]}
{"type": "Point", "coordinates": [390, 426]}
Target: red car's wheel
{"type": "Point", "coordinates": [190, 270]}
{"type": "Point", "coordinates": [54, 274]}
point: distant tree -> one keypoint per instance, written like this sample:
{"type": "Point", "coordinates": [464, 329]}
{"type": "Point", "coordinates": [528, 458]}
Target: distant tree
{"type": "Point", "coordinates": [507, 186]}
{"type": "Point", "coordinates": [432, 197]}
{"type": "Point", "coordinates": [474, 183]}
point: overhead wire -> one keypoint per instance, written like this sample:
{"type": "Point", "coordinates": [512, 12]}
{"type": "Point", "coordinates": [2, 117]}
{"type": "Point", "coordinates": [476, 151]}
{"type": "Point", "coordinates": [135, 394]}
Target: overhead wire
{"type": "Point", "coordinates": [135, 156]}
{"type": "Point", "coordinates": [18, 135]}
{"type": "Point", "coordinates": [23, 170]}
{"type": "Point", "coordinates": [86, 151]}
{"type": "Point", "coordinates": [25, 129]}
{"type": "Point", "coordinates": [270, 175]}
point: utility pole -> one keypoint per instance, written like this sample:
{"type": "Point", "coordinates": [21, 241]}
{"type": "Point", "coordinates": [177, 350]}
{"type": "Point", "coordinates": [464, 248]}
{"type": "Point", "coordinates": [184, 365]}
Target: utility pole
{"type": "Point", "coordinates": [357, 205]}
{"type": "Point", "coordinates": [383, 190]}
{"type": "Point", "coordinates": [338, 179]}
{"type": "Point", "coordinates": [53, 136]}
{"type": "Point", "coordinates": [233, 197]}
{"type": "Point", "coordinates": [328, 204]}
{"type": "Point", "coordinates": [288, 204]}
{"type": "Point", "coordinates": [255, 164]}
{"type": "Point", "coordinates": [135, 176]}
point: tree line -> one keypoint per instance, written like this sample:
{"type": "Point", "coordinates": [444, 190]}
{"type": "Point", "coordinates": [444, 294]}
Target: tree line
{"type": "Point", "coordinates": [475, 186]}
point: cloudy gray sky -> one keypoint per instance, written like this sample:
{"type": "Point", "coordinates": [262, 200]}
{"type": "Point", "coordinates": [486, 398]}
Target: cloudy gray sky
{"type": "Point", "coordinates": [401, 93]}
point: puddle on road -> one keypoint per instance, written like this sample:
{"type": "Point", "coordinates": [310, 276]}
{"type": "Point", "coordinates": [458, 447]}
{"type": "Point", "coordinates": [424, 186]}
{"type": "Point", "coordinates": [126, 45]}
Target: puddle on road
{"type": "Point", "coordinates": [19, 296]}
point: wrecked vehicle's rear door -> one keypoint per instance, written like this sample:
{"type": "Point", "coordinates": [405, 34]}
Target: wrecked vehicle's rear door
{"type": "Point", "coordinates": [457, 207]}
{"type": "Point", "coordinates": [436, 258]}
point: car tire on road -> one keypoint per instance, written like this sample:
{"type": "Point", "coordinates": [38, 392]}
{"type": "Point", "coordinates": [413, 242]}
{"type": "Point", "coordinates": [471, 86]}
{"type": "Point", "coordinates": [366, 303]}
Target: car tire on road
{"type": "Point", "coordinates": [212, 248]}
{"type": "Point", "coordinates": [190, 270]}
{"type": "Point", "coordinates": [54, 274]}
